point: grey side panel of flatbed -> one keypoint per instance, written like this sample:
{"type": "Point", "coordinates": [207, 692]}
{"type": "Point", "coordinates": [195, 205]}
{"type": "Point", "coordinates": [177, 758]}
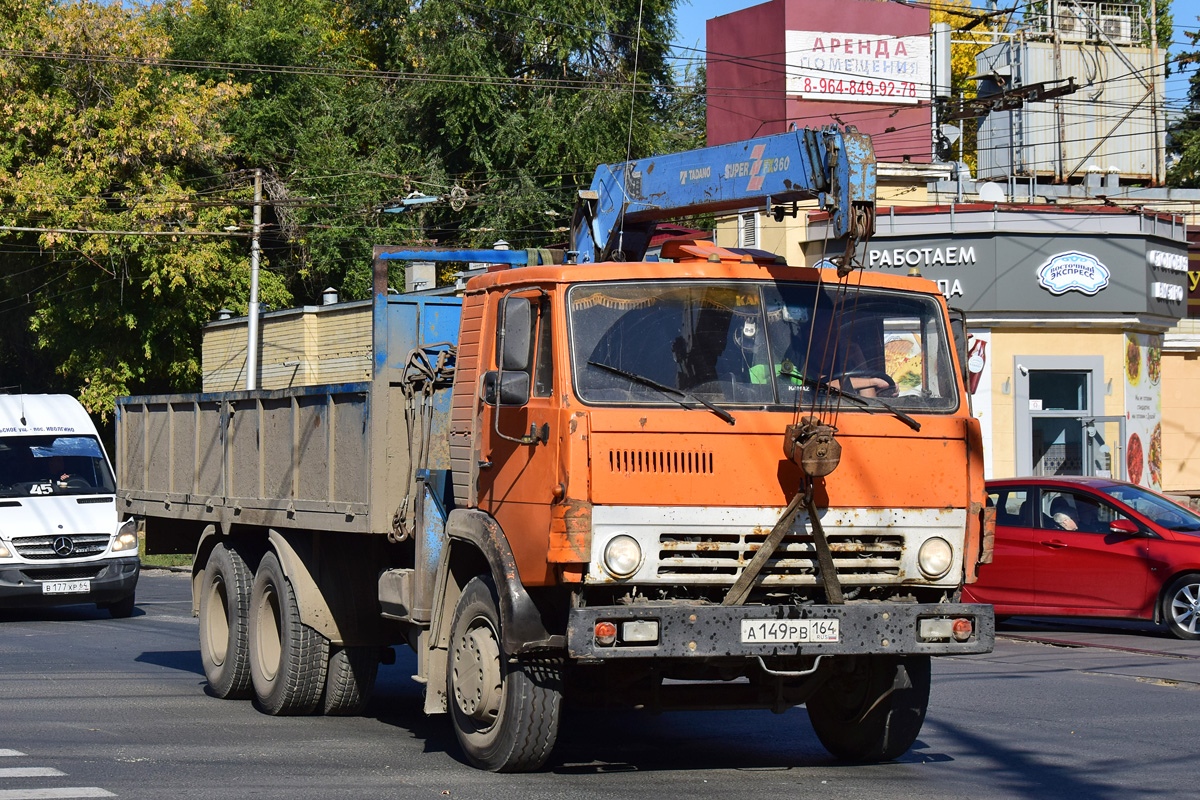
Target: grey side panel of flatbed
{"type": "Point", "coordinates": [332, 457]}
{"type": "Point", "coordinates": [290, 458]}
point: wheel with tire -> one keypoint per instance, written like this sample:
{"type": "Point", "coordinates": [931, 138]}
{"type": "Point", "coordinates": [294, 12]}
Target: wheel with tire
{"type": "Point", "coordinates": [349, 680]}
{"type": "Point", "coordinates": [287, 658]}
{"type": "Point", "coordinates": [505, 712]}
{"type": "Point", "coordinates": [224, 612]}
{"type": "Point", "coordinates": [122, 609]}
{"type": "Point", "coordinates": [873, 709]}
{"type": "Point", "coordinates": [1181, 607]}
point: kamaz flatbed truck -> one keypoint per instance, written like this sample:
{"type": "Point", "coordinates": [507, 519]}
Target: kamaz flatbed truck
{"type": "Point", "coordinates": [713, 480]}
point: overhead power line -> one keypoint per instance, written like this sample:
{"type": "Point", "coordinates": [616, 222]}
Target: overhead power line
{"type": "Point", "coordinates": [22, 229]}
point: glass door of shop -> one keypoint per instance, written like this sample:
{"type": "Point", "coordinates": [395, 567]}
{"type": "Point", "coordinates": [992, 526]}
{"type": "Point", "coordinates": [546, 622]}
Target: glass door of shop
{"type": "Point", "coordinates": [1057, 401]}
{"type": "Point", "coordinates": [1059, 414]}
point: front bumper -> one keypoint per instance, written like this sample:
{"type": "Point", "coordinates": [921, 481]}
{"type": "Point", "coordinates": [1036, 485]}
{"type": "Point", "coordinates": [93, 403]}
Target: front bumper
{"type": "Point", "coordinates": [706, 631]}
{"type": "Point", "coordinates": [110, 580]}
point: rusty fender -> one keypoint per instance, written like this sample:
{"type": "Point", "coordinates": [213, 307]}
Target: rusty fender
{"type": "Point", "coordinates": [520, 619]}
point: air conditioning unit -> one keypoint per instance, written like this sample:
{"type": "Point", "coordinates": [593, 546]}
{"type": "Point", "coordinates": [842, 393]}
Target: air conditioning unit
{"type": "Point", "coordinates": [1118, 29]}
{"type": "Point", "coordinates": [1070, 27]}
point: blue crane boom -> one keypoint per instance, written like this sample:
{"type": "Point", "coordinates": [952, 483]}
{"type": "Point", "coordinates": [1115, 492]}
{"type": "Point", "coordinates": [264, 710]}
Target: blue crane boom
{"type": "Point", "coordinates": [616, 216]}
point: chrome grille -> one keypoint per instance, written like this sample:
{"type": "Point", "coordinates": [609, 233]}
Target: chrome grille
{"type": "Point", "coordinates": [42, 548]}
{"type": "Point", "coordinates": [719, 558]}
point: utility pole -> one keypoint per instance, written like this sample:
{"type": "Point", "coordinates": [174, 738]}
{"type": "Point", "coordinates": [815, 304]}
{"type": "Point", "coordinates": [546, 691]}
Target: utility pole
{"type": "Point", "coordinates": [252, 315]}
{"type": "Point", "coordinates": [1159, 177]}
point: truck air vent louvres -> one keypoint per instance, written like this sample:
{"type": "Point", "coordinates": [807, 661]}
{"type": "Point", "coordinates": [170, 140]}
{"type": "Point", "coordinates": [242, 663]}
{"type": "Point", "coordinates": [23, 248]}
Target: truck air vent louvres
{"type": "Point", "coordinates": [661, 461]}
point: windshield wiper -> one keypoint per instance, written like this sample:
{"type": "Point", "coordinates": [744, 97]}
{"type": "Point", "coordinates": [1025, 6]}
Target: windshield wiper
{"type": "Point", "coordinates": [865, 402]}
{"type": "Point", "coordinates": [662, 387]}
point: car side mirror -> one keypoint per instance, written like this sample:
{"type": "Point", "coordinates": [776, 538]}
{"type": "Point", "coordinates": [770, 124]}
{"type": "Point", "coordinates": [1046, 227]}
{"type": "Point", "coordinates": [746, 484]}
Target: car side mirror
{"type": "Point", "coordinates": [514, 391]}
{"type": "Point", "coordinates": [1126, 527]}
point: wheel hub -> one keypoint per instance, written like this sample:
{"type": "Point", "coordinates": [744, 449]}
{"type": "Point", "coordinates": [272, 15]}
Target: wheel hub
{"type": "Point", "coordinates": [216, 622]}
{"type": "Point", "coordinates": [477, 675]}
{"type": "Point", "coordinates": [1186, 607]}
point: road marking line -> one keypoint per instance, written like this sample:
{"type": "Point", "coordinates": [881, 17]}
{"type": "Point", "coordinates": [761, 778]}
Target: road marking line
{"type": "Point", "coordinates": [10, 753]}
{"type": "Point", "coordinates": [30, 772]}
{"type": "Point", "coordinates": [54, 794]}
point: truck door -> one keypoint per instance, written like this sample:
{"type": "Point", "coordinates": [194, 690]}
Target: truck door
{"type": "Point", "coordinates": [519, 433]}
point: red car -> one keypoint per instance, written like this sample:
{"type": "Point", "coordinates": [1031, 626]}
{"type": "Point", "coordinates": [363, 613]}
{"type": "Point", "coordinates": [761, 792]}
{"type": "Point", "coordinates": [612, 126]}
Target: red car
{"type": "Point", "coordinates": [1092, 547]}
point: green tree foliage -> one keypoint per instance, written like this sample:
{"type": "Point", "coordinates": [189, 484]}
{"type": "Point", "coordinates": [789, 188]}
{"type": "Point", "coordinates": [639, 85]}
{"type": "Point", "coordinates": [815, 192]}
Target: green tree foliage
{"type": "Point", "coordinates": [318, 119]}
{"type": "Point", "coordinates": [122, 117]}
{"type": "Point", "coordinates": [539, 94]}
{"type": "Point", "coordinates": [99, 137]}
{"type": "Point", "coordinates": [504, 106]}
{"type": "Point", "coordinates": [1184, 133]}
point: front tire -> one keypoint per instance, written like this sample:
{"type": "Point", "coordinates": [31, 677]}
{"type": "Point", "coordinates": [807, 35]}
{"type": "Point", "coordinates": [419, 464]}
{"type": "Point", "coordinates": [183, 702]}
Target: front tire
{"type": "Point", "coordinates": [873, 709]}
{"type": "Point", "coordinates": [505, 712]}
{"type": "Point", "coordinates": [123, 608]}
{"type": "Point", "coordinates": [287, 658]}
{"type": "Point", "coordinates": [1181, 607]}
{"type": "Point", "coordinates": [224, 612]}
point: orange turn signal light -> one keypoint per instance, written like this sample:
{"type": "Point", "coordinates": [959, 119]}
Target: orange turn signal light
{"type": "Point", "coordinates": [606, 633]}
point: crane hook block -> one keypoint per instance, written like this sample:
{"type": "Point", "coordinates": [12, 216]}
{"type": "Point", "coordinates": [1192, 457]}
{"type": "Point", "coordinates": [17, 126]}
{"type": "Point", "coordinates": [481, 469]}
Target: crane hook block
{"type": "Point", "coordinates": [813, 447]}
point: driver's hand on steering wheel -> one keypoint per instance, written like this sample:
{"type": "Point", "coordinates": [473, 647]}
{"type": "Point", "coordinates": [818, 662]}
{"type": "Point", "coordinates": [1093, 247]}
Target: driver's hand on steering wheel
{"type": "Point", "coordinates": [867, 386]}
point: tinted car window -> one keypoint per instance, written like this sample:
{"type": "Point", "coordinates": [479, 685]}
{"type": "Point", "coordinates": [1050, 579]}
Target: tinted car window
{"type": "Point", "coordinates": [1012, 506]}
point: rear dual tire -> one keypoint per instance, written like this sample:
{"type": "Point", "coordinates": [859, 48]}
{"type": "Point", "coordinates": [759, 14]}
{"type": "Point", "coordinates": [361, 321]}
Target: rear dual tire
{"type": "Point", "coordinates": [288, 659]}
{"type": "Point", "coordinates": [283, 651]}
{"type": "Point", "coordinates": [349, 681]}
{"type": "Point", "coordinates": [224, 623]}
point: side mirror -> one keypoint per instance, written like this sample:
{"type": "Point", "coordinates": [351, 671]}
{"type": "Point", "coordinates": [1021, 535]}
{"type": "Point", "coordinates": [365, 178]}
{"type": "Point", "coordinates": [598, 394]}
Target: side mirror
{"type": "Point", "coordinates": [1126, 527]}
{"type": "Point", "coordinates": [958, 330]}
{"type": "Point", "coordinates": [514, 391]}
{"type": "Point", "coordinates": [515, 334]}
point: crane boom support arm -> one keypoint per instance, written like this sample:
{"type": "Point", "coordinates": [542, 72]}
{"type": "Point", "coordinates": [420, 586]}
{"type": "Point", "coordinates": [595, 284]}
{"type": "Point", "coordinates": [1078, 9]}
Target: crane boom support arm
{"type": "Point", "coordinates": [616, 216]}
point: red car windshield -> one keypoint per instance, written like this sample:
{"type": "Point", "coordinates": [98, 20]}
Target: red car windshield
{"type": "Point", "coordinates": [1157, 508]}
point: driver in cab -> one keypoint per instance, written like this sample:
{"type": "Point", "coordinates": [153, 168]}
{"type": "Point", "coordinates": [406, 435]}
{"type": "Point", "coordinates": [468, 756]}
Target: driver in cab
{"type": "Point", "coordinates": [788, 332]}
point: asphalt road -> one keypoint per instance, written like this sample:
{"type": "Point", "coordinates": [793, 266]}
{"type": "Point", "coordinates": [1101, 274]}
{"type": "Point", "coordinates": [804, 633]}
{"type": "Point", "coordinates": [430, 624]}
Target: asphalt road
{"type": "Point", "coordinates": [95, 707]}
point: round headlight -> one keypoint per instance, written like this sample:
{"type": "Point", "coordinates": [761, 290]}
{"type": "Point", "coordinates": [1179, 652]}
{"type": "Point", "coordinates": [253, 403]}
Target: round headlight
{"type": "Point", "coordinates": [934, 557]}
{"type": "Point", "coordinates": [622, 556]}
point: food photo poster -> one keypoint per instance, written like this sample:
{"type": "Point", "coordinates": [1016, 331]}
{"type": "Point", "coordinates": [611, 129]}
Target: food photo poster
{"type": "Point", "coordinates": [1143, 409]}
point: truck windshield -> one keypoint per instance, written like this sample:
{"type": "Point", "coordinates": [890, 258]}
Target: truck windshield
{"type": "Point", "coordinates": [40, 465]}
{"type": "Point", "coordinates": [760, 344]}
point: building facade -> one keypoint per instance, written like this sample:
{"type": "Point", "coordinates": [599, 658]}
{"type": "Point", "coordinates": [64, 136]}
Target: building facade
{"type": "Point", "coordinates": [1067, 310]}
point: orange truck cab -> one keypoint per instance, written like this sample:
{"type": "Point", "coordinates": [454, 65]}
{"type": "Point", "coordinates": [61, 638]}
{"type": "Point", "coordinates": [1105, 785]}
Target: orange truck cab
{"type": "Point", "coordinates": [621, 427]}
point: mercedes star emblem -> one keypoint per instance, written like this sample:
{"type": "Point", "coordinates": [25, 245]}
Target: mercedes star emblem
{"type": "Point", "coordinates": [63, 546]}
